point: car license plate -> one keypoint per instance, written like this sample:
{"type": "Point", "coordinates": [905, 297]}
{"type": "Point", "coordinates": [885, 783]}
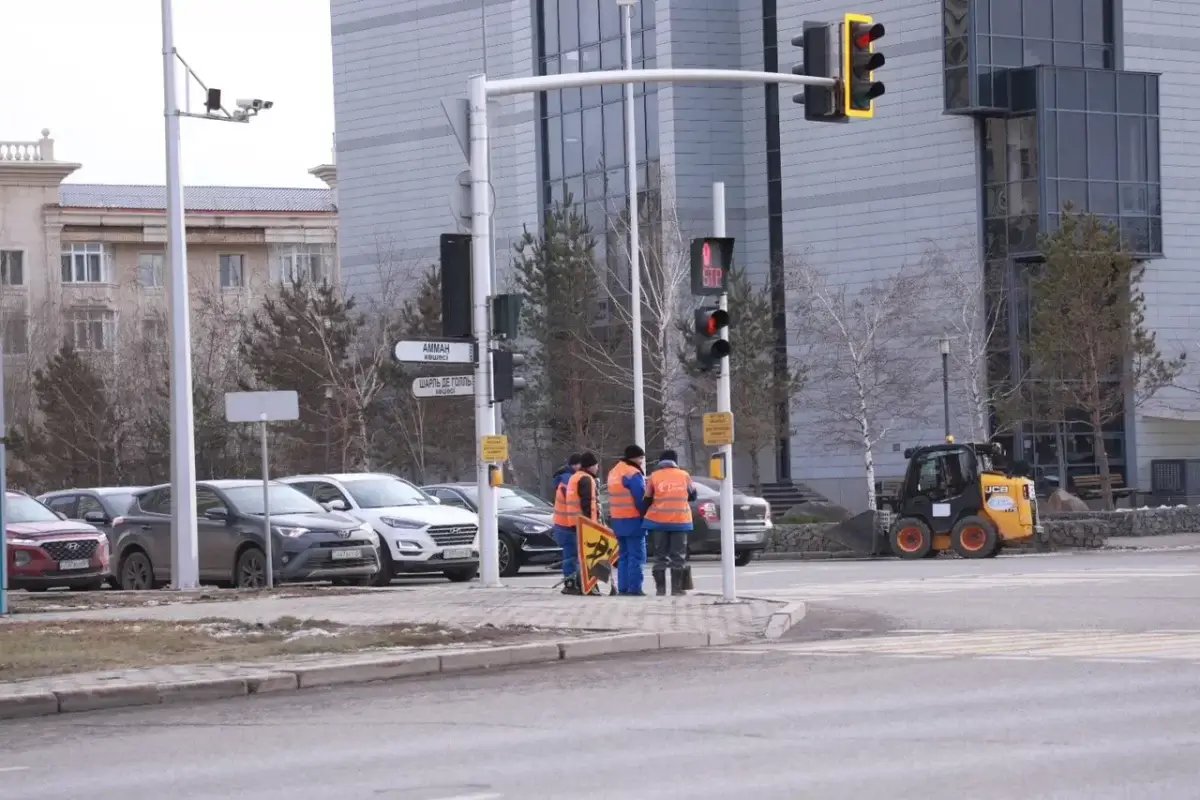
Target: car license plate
{"type": "Point", "coordinates": [345, 555]}
{"type": "Point", "coordinates": [745, 537]}
{"type": "Point", "coordinates": [452, 553]}
{"type": "Point", "coordinates": [79, 563]}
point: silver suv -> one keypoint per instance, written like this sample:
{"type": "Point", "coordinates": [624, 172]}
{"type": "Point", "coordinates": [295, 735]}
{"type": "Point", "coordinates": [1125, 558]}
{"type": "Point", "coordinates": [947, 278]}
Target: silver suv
{"type": "Point", "coordinates": [421, 535]}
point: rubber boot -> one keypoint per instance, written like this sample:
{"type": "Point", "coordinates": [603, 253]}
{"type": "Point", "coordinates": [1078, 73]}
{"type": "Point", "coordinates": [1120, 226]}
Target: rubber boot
{"type": "Point", "coordinates": [678, 582]}
{"type": "Point", "coordinates": [571, 585]}
{"type": "Point", "coordinates": [660, 581]}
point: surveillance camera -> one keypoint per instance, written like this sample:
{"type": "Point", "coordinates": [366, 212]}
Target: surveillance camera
{"type": "Point", "coordinates": [254, 104]}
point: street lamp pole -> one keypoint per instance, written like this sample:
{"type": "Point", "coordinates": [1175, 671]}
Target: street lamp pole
{"type": "Point", "coordinates": [185, 564]}
{"type": "Point", "coordinates": [635, 267]}
{"type": "Point", "coordinates": [944, 347]}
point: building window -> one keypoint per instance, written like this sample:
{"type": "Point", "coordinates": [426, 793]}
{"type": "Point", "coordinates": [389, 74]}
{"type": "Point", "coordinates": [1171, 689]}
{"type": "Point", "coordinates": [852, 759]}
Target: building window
{"type": "Point", "coordinates": [86, 263]}
{"type": "Point", "coordinates": [150, 270]}
{"type": "Point", "coordinates": [154, 329]}
{"type": "Point", "coordinates": [12, 267]}
{"type": "Point", "coordinates": [16, 336]}
{"type": "Point", "coordinates": [232, 271]}
{"type": "Point", "coordinates": [304, 263]}
{"type": "Point", "coordinates": [91, 330]}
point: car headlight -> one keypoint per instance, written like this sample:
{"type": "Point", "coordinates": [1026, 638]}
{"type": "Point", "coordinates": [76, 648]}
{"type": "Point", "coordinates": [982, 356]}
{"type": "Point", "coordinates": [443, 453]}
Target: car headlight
{"type": "Point", "coordinates": [22, 543]}
{"type": "Point", "coordinates": [405, 524]}
{"type": "Point", "coordinates": [532, 527]}
{"type": "Point", "coordinates": [291, 533]}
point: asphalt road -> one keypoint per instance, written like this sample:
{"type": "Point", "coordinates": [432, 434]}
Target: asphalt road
{"type": "Point", "coordinates": [1057, 677]}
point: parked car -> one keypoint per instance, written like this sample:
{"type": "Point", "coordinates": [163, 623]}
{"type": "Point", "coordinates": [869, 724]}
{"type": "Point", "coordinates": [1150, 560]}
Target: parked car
{"type": "Point", "coordinates": [751, 521]}
{"type": "Point", "coordinates": [46, 551]}
{"type": "Point", "coordinates": [96, 506]}
{"type": "Point", "coordinates": [309, 543]}
{"type": "Point", "coordinates": [524, 523]}
{"type": "Point", "coordinates": [420, 535]}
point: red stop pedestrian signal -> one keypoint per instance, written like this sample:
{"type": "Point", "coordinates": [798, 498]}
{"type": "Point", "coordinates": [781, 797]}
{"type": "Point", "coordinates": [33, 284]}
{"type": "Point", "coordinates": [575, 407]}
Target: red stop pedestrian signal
{"type": "Point", "coordinates": [711, 260]}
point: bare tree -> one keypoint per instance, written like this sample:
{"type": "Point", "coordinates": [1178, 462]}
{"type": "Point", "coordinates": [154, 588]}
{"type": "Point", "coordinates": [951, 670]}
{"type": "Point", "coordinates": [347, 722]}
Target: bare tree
{"type": "Point", "coordinates": [974, 302]}
{"type": "Point", "coordinates": [867, 348]}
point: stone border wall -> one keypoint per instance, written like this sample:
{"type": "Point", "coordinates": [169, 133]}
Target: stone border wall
{"type": "Point", "coordinates": [1084, 529]}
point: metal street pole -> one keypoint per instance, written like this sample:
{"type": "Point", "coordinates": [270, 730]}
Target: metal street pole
{"type": "Point", "coordinates": [725, 403]}
{"type": "Point", "coordinates": [185, 565]}
{"type": "Point", "coordinates": [944, 346]}
{"type": "Point", "coordinates": [635, 265]}
{"type": "Point", "coordinates": [3, 489]}
{"type": "Point", "coordinates": [269, 538]}
{"type": "Point", "coordinates": [481, 281]}
{"type": "Point", "coordinates": [498, 408]}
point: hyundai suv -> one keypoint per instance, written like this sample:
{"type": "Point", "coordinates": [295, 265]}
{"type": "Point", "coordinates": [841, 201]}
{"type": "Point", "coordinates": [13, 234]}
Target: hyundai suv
{"type": "Point", "coordinates": [421, 535]}
{"type": "Point", "coordinates": [45, 550]}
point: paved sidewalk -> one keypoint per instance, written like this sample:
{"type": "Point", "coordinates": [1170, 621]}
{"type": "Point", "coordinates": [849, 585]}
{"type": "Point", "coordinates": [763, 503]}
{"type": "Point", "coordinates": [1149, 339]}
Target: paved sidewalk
{"type": "Point", "coordinates": [472, 606]}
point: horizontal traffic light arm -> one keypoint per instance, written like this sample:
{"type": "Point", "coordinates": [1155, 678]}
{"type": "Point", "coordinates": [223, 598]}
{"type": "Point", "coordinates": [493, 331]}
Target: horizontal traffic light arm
{"type": "Point", "coordinates": [573, 80]}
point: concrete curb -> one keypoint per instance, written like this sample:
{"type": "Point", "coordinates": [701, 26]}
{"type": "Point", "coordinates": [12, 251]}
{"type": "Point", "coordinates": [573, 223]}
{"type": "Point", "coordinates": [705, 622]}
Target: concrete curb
{"type": "Point", "coordinates": [19, 702]}
{"type": "Point", "coordinates": [782, 620]}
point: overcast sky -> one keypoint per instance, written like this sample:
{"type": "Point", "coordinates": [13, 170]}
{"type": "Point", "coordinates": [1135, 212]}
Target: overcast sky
{"type": "Point", "coordinates": [91, 72]}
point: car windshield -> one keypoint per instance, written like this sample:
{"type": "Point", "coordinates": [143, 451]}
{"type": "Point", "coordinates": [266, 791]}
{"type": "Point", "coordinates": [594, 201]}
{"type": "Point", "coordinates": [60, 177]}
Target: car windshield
{"type": "Point", "coordinates": [117, 504]}
{"type": "Point", "coordinates": [18, 508]}
{"type": "Point", "coordinates": [284, 500]}
{"type": "Point", "coordinates": [385, 493]}
{"type": "Point", "coordinates": [507, 499]}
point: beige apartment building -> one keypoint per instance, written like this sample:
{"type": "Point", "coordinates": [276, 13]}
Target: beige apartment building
{"type": "Point", "coordinates": [85, 263]}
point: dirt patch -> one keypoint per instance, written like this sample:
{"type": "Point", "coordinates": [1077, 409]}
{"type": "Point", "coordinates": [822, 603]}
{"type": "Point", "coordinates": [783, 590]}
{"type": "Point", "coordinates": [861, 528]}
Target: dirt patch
{"type": "Point", "coordinates": [46, 602]}
{"type": "Point", "coordinates": [39, 649]}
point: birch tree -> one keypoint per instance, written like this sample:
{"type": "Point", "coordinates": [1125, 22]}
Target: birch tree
{"type": "Point", "coordinates": [871, 369]}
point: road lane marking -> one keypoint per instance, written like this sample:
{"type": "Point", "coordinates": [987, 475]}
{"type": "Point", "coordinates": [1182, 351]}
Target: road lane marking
{"type": "Point", "coordinates": [14, 769]}
{"type": "Point", "coordinates": [485, 796]}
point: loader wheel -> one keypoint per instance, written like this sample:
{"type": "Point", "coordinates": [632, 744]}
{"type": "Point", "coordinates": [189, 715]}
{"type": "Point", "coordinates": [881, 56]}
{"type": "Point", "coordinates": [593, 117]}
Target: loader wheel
{"type": "Point", "coordinates": [910, 538]}
{"type": "Point", "coordinates": [974, 537]}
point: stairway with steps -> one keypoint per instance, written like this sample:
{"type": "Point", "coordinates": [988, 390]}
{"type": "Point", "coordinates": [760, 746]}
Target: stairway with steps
{"type": "Point", "coordinates": [784, 496]}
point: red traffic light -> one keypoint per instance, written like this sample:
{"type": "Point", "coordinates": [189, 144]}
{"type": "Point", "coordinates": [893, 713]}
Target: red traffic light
{"type": "Point", "coordinates": [864, 37]}
{"type": "Point", "coordinates": [714, 321]}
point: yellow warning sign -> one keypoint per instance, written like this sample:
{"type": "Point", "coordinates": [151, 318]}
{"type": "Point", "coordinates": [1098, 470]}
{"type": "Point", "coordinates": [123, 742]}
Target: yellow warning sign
{"type": "Point", "coordinates": [718, 428]}
{"type": "Point", "coordinates": [493, 449]}
{"type": "Point", "coordinates": [598, 551]}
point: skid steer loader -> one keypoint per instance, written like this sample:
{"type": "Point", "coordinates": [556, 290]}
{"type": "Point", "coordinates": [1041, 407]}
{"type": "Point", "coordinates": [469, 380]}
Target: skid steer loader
{"type": "Point", "coordinates": [953, 497]}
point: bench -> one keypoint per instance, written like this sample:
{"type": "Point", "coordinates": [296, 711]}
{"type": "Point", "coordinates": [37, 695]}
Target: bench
{"type": "Point", "coordinates": [1088, 486]}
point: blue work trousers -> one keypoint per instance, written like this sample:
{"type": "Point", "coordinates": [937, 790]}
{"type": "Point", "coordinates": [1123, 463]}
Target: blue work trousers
{"type": "Point", "coordinates": [567, 540]}
{"type": "Point", "coordinates": [632, 561]}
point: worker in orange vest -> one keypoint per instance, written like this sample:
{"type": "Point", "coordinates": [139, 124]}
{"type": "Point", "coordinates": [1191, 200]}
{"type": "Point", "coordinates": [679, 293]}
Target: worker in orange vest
{"type": "Point", "coordinates": [626, 507]}
{"type": "Point", "coordinates": [581, 498]}
{"type": "Point", "coordinates": [669, 493]}
{"type": "Point", "coordinates": [563, 524]}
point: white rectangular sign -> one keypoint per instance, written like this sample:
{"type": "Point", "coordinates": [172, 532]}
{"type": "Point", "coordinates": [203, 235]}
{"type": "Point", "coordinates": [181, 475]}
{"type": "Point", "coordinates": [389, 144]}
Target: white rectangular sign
{"type": "Point", "coordinates": [252, 406]}
{"type": "Point", "coordinates": [435, 352]}
{"type": "Point", "coordinates": [444, 386]}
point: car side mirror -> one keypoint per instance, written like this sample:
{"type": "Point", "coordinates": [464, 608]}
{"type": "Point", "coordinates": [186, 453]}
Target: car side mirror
{"type": "Point", "coordinates": [96, 517]}
{"type": "Point", "coordinates": [61, 515]}
{"type": "Point", "coordinates": [219, 513]}
{"type": "Point", "coordinates": [437, 501]}
{"type": "Point", "coordinates": [337, 505]}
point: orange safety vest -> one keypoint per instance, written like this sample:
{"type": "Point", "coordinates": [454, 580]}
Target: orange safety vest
{"type": "Point", "coordinates": [620, 499]}
{"type": "Point", "coordinates": [573, 509]}
{"type": "Point", "coordinates": [669, 487]}
{"type": "Point", "coordinates": [562, 513]}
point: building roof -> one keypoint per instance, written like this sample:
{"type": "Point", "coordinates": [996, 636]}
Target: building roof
{"type": "Point", "coordinates": [198, 198]}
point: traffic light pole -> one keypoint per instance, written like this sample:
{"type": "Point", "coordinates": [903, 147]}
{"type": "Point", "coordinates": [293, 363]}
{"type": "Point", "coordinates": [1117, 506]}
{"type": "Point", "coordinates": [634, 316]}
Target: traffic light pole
{"type": "Point", "coordinates": [479, 90]}
{"type": "Point", "coordinates": [481, 283]}
{"type": "Point", "coordinates": [725, 403]}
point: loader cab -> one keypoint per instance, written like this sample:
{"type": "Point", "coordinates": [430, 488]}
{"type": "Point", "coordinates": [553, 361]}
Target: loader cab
{"type": "Point", "coordinates": [942, 484]}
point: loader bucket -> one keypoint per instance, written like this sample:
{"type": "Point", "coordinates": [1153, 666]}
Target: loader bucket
{"type": "Point", "coordinates": [862, 534]}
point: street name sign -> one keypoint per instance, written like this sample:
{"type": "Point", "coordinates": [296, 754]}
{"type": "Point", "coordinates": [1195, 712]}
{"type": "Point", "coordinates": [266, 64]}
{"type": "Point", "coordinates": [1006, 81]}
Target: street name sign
{"type": "Point", "coordinates": [434, 352]}
{"type": "Point", "coordinates": [444, 386]}
{"type": "Point", "coordinates": [262, 406]}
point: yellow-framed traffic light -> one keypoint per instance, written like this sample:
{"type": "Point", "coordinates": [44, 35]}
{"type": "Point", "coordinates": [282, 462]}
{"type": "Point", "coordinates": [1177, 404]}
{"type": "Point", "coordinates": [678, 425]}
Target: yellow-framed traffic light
{"type": "Point", "coordinates": [859, 62]}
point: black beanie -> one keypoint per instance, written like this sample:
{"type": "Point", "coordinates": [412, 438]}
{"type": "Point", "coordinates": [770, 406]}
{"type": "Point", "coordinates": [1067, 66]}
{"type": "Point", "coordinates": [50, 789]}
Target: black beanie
{"type": "Point", "coordinates": [588, 460]}
{"type": "Point", "coordinates": [573, 459]}
{"type": "Point", "coordinates": [633, 451]}
{"type": "Point", "coordinates": [669, 455]}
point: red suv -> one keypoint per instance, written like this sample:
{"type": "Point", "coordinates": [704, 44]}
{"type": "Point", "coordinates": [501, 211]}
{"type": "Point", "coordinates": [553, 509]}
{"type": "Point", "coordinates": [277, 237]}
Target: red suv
{"type": "Point", "coordinates": [45, 550]}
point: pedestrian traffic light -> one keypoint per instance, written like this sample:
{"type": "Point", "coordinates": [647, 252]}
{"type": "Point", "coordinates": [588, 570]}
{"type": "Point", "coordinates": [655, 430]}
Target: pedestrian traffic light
{"type": "Point", "coordinates": [455, 273]}
{"type": "Point", "coordinates": [711, 258]}
{"type": "Point", "coordinates": [859, 62]}
{"type": "Point", "coordinates": [711, 346]}
{"type": "Point", "coordinates": [505, 382]}
{"type": "Point", "coordinates": [821, 103]}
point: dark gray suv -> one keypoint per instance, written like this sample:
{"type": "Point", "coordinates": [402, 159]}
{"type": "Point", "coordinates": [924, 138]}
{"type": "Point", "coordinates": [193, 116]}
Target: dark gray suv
{"type": "Point", "coordinates": [310, 543]}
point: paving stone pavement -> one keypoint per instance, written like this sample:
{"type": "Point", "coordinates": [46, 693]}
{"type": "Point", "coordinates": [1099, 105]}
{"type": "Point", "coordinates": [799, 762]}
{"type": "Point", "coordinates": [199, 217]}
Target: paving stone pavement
{"type": "Point", "coordinates": [470, 606]}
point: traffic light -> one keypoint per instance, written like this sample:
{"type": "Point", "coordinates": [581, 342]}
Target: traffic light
{"type": "Point", "coordinates": [710, 346]}
{"type": "Point", "coordinates": [859, 61]}
{"type": "Point", "coordinates": [455, 271]}
{"type": "Point", "coordinates": [821, 103]}
{"type": "Point", "coordinates": [711, 260]}
{"type": "Point", "coordinates": [505, 382]}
